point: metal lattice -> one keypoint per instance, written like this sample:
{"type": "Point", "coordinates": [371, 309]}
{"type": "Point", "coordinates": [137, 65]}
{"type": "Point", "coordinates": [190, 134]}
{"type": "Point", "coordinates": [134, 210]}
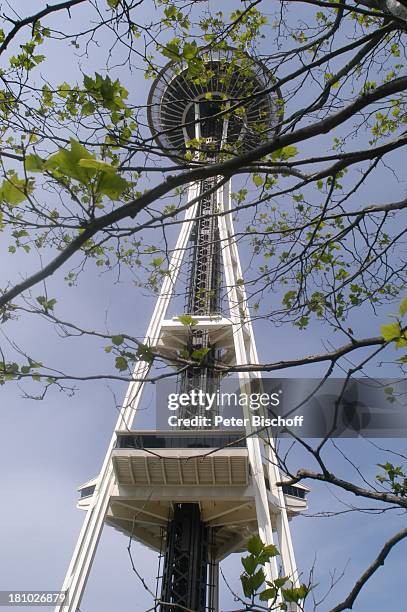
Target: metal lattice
{"type": "Point", "coordinates": [186, 561]}
{"type": "Point", "coordinates": [205, 278]}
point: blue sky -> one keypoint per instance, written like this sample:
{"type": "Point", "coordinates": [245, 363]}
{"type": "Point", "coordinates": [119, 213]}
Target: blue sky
{"type": "Point", "coordinates": [48, 448]}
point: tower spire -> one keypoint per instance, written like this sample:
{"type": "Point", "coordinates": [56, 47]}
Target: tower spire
{"type": "Point", "coordinates": [196, 494]}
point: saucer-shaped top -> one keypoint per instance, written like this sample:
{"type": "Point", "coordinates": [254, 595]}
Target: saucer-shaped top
{"type": "Point", "coordinates": [229, 105]}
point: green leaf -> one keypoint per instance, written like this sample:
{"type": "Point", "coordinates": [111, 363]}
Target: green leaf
{"type": "Point", "coordinates": [157, 261]}
{"type": "Point", "coordinates": [190, 50]}
{"type": "Point", "coordinates": [402, 341]}
{"type": "Point", "coordinates": [121, 364]}
{"type": "Point", "coordinates": [255, 545]}
{"type": "Point", "coordinates": [294, 595]}
{"type": "Point", "coordinates": [144, 353]}
{"type": "Point", "coordinates": [187, 320]}
{"type": "Point", "coordinates": [268, 594]}
{"type": "Point", "coordinates": [64, 89]}
{"type": "Point", "coordinates": [13, 190]}
{"type": "Point", "coordinates": [117, 340]}
{"type": "Point", "coordinates": [172, 50]}
{"type": "Point", "coordinates": [111, 185]}
{"type": "Point", "coordinates": [88, 108]}
{"type": "Point", "coordinates": [279, 582]}
{"type": "Point", "coordinates": [284, 153]}
{"type": "Point", "coordinates": [34, 163]}
{"type": "Point", "coordinates": [267, 553]}
{"type": "Point", "coordinates": [250, 564]}
{"type": "Point", "coordinates": [288, 298]}
{"type": "Point", "coordinates": [97, 164]}
{"type": "Point", "coordinates": [246, 584]}
{"type": "Point", "coordinates": [257, 180]}
{"type": "Point", "coordinates": [391, 331]}
{"type": "Point", "coordinates": [403, 307]}
{"type": "Point", "coordinates": [34, 364]}
{"type": "Point", "coordinates": [46, 304]}
{"type": "Point", "coordinates": [251, 584]}
{"type": "Point", "coordinates": [257, 580]}
{"type": "Point", "coordinates": [105, 92]}
{"type": "Point", "coordinates": [66, 161]}
{"type": "Point", "coordinates": [170, 11]}
{"type": "Point", "coordinates": [199, 354]}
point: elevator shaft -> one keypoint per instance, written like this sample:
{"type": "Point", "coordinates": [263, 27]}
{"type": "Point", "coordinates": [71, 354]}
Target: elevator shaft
{"type": "Point", "coordinates": [204, 282]}
{"type": "Point", "coordinates": [203, 298]}
{"type": "Point", "coordinates": [186, 561]}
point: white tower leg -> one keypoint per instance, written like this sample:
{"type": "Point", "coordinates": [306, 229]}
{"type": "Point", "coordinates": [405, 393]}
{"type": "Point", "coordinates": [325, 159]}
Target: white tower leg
{"type": "Point", "coordinates": [245, 347]}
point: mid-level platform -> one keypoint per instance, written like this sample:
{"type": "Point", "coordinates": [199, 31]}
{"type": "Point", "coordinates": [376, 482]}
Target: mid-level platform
{"type": "Point", "coordinates": [154, 471]}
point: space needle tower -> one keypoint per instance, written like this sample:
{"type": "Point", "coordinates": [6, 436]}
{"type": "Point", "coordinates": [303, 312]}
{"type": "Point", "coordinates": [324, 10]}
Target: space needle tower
{"type": "Point", "coordinates": [196, 494]}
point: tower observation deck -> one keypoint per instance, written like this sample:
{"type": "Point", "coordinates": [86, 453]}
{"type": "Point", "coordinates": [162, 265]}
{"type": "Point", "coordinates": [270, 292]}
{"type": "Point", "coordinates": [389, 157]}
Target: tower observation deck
{"type": "Point", "coordinates": [197, 495]}
{"type": "Point", "coordinates": [182, 107]}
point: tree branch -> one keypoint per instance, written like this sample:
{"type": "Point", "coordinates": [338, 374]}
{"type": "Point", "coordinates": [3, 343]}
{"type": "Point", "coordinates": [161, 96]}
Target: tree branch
{"type": "Point", "coordinates": [226, 169]}
{"type": "Point", "coordinates": [31, 19]}
{"type": "Point", "coordinates": [389, 498]}
{"type": "Point", "coordinates": [380, 559]}
{"type": "Point", "coordinates": [332, 356]}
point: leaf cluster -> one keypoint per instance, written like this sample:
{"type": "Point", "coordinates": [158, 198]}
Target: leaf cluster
{"type": "Point", "coordinates": [278, 592]}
